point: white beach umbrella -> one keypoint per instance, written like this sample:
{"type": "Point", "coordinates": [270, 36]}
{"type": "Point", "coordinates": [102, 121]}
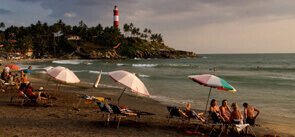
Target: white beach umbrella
{"type": "Point", "coordinates": [63, 74]}
{"type": "Point", "coordinates": [129, 80]}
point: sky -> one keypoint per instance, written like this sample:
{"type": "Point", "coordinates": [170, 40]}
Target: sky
{"type": "Point", "coordinates": [202, 26]}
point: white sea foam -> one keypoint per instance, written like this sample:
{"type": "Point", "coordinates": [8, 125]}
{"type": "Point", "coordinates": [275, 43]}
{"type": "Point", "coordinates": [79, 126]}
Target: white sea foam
{"type": "Point", "coordinates": [145, 65]}
{"type": "Point", "coordinates": [121, 64]}
{"type": "Point", "coordinates": [282, 77]}
{"type": "Point", "coordinates": [79, 71]}
{"type": "Point", "coordinates": [170, 101]}
{"type": "Point", "coordinates": [144, 76]}
{"type": "Point", "coordinates": [97, 72]}
{"type": "Point", "coordinates": [72, 62]}
{"type": "Point", "coordinates": [178, 65]}
{"type": "Point", "coordinates": [41, 72]}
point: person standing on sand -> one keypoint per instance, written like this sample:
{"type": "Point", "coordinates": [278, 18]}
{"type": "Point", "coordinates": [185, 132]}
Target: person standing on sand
{"type": "Point", "coordinates": [249, 113]}
{"type": "Point", "coordinates": [225, 111]}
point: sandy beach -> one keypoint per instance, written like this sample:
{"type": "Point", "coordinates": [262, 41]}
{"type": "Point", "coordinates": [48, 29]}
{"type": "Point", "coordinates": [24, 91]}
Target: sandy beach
{"type": "Point", "coordinates": [64, 119]}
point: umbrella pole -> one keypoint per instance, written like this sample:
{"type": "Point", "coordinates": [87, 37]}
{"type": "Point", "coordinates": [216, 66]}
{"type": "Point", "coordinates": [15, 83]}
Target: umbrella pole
{"type": "Point", "coordinates": [121, 95]}
{"type": "Point", "coordinates": [207, 100]}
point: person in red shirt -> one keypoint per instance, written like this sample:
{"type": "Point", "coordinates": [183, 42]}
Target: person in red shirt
{"type": "Point", "coordinates": [29, 92]}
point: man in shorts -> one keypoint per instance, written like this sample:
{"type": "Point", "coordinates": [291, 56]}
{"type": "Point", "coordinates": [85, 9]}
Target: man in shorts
{"type": "Point", "coordinates": [249, 114]}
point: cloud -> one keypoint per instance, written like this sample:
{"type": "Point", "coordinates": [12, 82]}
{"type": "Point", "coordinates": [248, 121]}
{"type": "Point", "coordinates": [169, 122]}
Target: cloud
{"type": "Point", "coordinates": [173, 18]}
{"type": "Point", "coordinates": [28, 0]}
{"type": "Point", "coordinates": [70, 15]}
{"type": "Point", "coordinates": [188, 12]}
{"type": "Point", "coordinates": [5, 11]}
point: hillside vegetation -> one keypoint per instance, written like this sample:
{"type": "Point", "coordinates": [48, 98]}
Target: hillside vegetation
{"type": "Point", "coordinates": [97, 42]}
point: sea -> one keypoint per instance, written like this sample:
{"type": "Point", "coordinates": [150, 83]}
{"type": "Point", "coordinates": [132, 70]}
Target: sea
{"type": "Point", "coordinates": [266, 81]}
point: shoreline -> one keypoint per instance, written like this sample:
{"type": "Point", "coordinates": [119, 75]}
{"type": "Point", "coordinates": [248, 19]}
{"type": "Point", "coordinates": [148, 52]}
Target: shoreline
{"type": "Point", "coordinates": [114, 93]}
{"type": "Point", "coordinates": [69, 97]}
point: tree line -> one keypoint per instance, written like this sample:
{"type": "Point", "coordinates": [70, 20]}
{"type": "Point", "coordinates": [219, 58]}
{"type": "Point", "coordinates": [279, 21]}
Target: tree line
{"type": "Point", "coordinates": [52, 39]}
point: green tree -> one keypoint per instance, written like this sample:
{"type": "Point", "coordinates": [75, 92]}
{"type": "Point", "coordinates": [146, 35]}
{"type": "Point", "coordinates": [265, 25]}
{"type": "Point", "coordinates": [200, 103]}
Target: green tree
{"type": "Point", "coordinates": [126, 29]}
{"type": "Point", "coordinates": [2, 25]}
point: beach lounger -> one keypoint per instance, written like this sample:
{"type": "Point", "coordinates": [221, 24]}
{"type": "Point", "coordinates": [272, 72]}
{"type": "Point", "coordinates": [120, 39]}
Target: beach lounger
{"type": "Point", "coordinates": [186, 120]}
{"type": "Point", "coordinates": [22, 99]}
{"type": "Point", "coordinates": [119, 113]}
{"type": "Point", "coordinates": [105, 110]}
{"type": "Point", "coordinates": [91, 100]}
{"type": "Point", "coordinates": [179, 113]}
{"type": "Point", "coordinates": [243, 129]}
{"type": "Point", "coordinates": [234, 129]}
{"type": "Point", "coordinates": [122, 113]}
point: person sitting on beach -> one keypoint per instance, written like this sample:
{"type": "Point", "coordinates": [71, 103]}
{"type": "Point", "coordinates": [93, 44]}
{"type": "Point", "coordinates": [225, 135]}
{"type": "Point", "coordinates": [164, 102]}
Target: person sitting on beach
{"type": "Point", "coordinates": [3, 74]}
{"type": "Point", "coordinates": [24, 79]}
{"type": "Point", "coordinates": [192, 114]}
{"type": "Point", "coordinates": [215, 112]}
{"type": "Point", "coordinates": [236, 116]}
{"type": "Point", "coordinates": [225, 111]}
{"type": "Point", "coordinates": [29, 92]}
{"type": "Point", "coordinates": [249, 113]}
{"type": "Point", "coordinates": [10, 78]}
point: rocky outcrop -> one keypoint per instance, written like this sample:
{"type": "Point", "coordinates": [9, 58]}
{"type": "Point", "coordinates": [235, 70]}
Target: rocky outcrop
{"type": "Point", "coordinates": [108, 54]}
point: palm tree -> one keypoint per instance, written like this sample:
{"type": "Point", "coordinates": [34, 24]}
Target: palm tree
{"type": "Point", "coordinates": [145, 31]}
{"type": "Point", "coordinates": [159, 38]}
{"type": "Point", "coordinates": [126, 28]}
{"type": "Point", "coordinates": [2, 25]}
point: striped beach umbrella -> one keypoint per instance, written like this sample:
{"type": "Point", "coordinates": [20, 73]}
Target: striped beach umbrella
{"type": "Point", "coordinates": [212, 82]}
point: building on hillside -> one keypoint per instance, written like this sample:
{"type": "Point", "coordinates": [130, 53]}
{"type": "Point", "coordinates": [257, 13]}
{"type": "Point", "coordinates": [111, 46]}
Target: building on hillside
{"type": "Point", "coordinates": [29, 52]}
{"type": "Point", "coordinates": [73, 37]}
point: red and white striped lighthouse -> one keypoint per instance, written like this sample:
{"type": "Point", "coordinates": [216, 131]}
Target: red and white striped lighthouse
{"type": "Point", "coordinates": [116, 17]}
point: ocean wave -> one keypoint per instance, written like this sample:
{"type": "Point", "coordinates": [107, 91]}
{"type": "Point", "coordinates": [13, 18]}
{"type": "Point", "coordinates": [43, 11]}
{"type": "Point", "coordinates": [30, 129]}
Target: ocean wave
{"type": "Point", "coordinates": [97, 72]}
{"type": "Point", "coordinates": [282, 77]}
{"type": "Point", "coordinates": [121, 64]}
{"type": "Point", "coordinates": [104, 85]}
{"type": "Point", "coordinates": [79, 71]}
{"type": "Point", "coordinates": [145, 65]}
{"type": "Point", "coordinates": [41, 72]}
{"type": "Point", "coordinates": [72, 62]}
{"type": "Point", "coordinates": [171, 101]}
{"type": "Point", "coordinates": [179, 65]}
{"type": "Point", "coordinates": [143, 76]}
{"type": "Point", "coordinates": [34, 67]}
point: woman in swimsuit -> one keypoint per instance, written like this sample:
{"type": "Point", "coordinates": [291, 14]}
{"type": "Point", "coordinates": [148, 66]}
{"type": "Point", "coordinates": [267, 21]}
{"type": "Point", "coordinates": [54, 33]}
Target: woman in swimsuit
{"type": "Point", "coordinates": [215, 112]}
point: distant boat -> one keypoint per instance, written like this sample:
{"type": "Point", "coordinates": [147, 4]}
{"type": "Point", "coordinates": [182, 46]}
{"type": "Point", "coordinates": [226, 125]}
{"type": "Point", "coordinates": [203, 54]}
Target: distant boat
{"type": "Point", "coordinates": [95, 85]}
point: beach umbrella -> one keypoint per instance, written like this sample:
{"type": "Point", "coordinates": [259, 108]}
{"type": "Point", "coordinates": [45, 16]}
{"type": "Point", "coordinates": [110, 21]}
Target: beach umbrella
{"type": "Point", "coordinates": [13, 66]}
{"type": "Point", "coordinates": [129, 80]}
{"type": "Point", "coordinates": [63, 74]}
{"type": "Point", "coordinates": [212, 82]}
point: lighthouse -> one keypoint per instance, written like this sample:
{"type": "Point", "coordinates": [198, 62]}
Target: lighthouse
{"type": "Point", "coordinates": [116, 17]}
